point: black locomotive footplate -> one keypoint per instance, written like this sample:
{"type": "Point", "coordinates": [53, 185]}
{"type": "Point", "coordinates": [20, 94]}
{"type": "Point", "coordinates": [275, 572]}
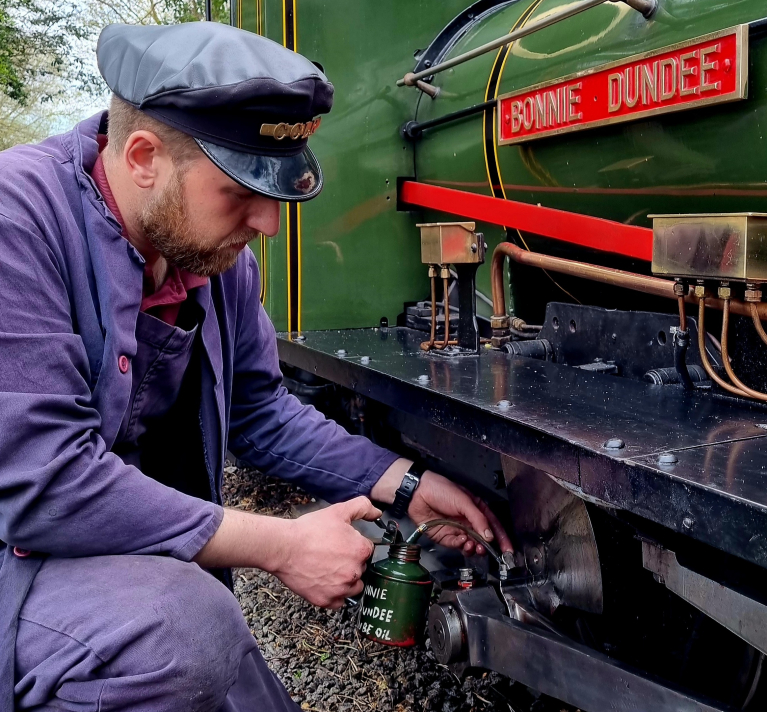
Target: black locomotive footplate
{"type": "Point", "coordinates": [709, 484]}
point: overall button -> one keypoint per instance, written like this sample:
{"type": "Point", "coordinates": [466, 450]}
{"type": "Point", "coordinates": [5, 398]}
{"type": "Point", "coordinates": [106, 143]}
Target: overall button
{"type": "Point", "coordinates": [21, 553]}
{"type": "Point", "coordinates": [123, 364]}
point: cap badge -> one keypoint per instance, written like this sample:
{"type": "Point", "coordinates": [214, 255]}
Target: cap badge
{"type": "Point", "coordinates": [293, 131]}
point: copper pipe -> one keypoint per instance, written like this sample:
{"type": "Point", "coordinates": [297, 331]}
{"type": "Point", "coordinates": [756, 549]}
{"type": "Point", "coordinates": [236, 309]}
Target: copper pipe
{"type": "Point", "coordinates": [426, 345]}
{"type": "Point", "coordinates": [446, 306]}
{"type": "Point", "coordinates": [712, 374]}
{"type": "Point", "coordinates": [605, 275]}
{"type": "Point", "coordinates": [757, 323]}
{"type": "Point", "coordinates": [726, 361]}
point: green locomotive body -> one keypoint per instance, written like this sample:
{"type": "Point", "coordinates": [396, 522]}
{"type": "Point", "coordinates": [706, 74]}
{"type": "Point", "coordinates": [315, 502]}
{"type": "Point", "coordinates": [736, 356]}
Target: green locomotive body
{"type": "Point", "coordinates": [614, 439]}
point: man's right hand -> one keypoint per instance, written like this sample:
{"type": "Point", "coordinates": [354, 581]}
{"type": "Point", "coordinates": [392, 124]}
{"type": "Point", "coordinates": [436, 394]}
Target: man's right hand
{"type": "Point", "coordinates": [327, 559]}
{"type": "Point", "coordinates": [319, 556]}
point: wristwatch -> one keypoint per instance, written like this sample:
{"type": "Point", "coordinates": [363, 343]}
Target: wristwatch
{"type": "Point", "coordinates": [404, 494]}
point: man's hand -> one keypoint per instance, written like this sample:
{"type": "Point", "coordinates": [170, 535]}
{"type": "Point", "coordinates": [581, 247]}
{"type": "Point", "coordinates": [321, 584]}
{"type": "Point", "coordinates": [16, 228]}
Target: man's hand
{"type": "Point", "coordinates": [439, 498]}
{"type": "Point", "coordinates": [319, 556]}
{"type": "Point", "coordinates": [327, 560]}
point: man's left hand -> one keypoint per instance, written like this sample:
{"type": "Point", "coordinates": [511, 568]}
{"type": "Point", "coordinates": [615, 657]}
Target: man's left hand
{"type": "Point", "coordinates": [438, 498]}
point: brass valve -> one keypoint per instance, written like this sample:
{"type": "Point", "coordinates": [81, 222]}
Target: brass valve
{"type": "Point", "coordinates": [753, 292]}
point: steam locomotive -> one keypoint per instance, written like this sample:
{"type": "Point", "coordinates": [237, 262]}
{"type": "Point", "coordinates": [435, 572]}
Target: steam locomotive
{"type": "Point", "coordinates": [538, 264]}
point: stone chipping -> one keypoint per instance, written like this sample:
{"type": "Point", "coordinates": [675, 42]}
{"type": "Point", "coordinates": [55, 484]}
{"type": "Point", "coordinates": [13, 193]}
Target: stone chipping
{"type": "Point", "coordinates": [323, 661]}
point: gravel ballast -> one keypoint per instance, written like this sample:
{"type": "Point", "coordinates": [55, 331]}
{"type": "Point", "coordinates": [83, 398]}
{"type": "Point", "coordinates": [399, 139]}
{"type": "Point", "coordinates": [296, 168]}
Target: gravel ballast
{"type": "Point", "coordinates": [323, 661]}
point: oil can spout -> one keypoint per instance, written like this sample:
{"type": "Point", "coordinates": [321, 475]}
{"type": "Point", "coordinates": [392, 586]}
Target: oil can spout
{"type": "Point", "coordinates": [416, 535]}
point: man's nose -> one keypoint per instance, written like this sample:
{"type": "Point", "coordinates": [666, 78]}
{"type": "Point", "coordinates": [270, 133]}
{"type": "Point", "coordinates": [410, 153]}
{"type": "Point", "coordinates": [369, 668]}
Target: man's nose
{"type": "Point", "coordinates": [264, 215]}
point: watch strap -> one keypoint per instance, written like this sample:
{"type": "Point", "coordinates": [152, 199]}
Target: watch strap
{"type": "Point", "coordinates": [404, 494]}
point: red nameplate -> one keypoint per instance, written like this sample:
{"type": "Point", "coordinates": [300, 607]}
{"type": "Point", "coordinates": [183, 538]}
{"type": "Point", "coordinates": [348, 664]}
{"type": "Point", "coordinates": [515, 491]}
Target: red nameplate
{"type": "Point", "coordinates": [706, 70]}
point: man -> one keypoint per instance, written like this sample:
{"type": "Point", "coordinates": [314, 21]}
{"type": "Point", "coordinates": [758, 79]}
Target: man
{"type": "Point", "coordinates": [133, 353]}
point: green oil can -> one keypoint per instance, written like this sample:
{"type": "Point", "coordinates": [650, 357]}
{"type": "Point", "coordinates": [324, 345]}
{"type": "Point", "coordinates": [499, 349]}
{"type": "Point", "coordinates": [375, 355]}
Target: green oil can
{"type": "Point", "coordinates": [396, 597]}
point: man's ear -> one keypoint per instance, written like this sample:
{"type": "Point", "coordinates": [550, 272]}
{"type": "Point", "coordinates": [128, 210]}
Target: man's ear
{"type": "Point", "coordinates": [145, 156]}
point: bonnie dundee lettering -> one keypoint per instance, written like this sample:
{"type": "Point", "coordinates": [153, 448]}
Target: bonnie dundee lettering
{"type": "Point", "coordinates": [554, 107]}
{"type": "Point", "coordinates": [649, 83]}
{"type": "Point", "coordinates": [664, 79]}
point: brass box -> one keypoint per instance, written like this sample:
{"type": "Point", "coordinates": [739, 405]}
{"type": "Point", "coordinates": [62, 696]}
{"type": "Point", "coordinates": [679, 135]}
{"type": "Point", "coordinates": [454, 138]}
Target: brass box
{"type": "Point", "coordinates": [723, 247]}
{"type": "Point", "coordinates": [451, 243]}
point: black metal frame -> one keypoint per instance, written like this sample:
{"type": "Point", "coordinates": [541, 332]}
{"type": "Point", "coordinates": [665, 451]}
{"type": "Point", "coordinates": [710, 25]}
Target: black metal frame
{"type": "Point", "coordinates": [556, 665]}
{"type": "Point", "coordinates": [711, 488]}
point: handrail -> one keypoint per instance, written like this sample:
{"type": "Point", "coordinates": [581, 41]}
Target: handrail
{"type": "Point", "coordinates": [646, 7]}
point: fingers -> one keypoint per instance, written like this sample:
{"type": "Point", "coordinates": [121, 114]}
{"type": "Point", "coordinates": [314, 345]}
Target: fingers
{"type": "Point", "coordinates": [502, 538]}
{"type": "Point", "coordinates": [476, 518]}
{"type": "Point", "coordinates": [359, 508]}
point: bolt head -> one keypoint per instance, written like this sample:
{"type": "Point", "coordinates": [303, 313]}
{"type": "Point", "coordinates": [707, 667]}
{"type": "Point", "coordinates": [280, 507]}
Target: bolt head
{"type": "Point", "coordinates": [473, 247]}
{"type": "Point", "coordinates": [667, 458]}
{"type": "Point", "coordinates": [341, 353]}
{"type": "Point", "coordinates": [688, 522]}
{"type": "Point", "coordinates": [423, 378]}
{"type": "Point", "coordinates": [504, 405]}
{"type": "Point", "coordinates": [300, 338]}
{"type": "Point", "coordinates": [614, 444]}
{"type": "Point", "coordinates": [365, 360]}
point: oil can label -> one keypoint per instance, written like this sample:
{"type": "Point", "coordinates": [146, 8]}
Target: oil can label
{"type": "Point", "coordinates": [706, 70]}
{"type": "Point", "coordinates": [393, 612]}
{"type": "Point", "coordinates": [376, 614]}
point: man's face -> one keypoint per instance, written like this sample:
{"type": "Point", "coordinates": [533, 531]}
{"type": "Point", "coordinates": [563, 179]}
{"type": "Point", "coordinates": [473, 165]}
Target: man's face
{"type": "Point", "coordinates": [201, 219]}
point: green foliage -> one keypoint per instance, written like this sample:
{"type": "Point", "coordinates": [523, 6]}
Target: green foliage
{"type": "Point", "coordinates": [48, 76]}
{"type": "Point", "coordinates": [36, 43]}
{"type": "Point", "coordinates": [191, 10]}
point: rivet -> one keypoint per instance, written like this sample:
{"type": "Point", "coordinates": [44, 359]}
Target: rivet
{"type": "Point", "coordinates": [687, 522]}
{"type": "Point", "coordinates": [614, 444]}
{"type": "Point", "coordinates": [504, 405]}
{"type": "Point", "coordinates": [667, 458]}
{"type": "Point", "coordinates": [365, 360]}
{"type": "Point", "coordinates": [423, 379]}
{"type": "Point", "coordinates": [341, 353]}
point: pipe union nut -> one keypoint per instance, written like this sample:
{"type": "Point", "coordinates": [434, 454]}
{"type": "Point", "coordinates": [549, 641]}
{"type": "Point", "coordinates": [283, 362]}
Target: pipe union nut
{"type": "Point", "coordinates": [680, 289]}
{"type": "Point", "coordinates": [498, 341]}
{"type": "Point", "coordinates": [753, 295]}
{"type": "Point", "coordinates": [500, 322]}
{"type": "Point", "coordinates": [725, 292]}
{"type": "Point", "coordinates": [701, 291]}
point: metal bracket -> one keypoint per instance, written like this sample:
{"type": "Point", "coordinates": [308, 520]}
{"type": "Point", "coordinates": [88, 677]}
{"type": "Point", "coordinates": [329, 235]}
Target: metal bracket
{"type": "Point", "coordinates": [470, 629]}
{"type": "Point", "coordinates": [740, 614]}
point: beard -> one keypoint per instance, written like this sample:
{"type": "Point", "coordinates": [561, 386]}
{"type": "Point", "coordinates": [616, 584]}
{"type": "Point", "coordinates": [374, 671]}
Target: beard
{"type": "Point", "coordinates": [165, 223]}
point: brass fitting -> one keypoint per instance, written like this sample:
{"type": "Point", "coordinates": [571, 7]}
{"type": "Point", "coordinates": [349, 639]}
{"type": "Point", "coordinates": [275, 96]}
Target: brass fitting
{"type": "Point", "coordinates": [500, 322]}
{"type": "Point", "coordinates": [444, 272]}
{"type": "Point", "coordinates": [753, 292]}
{"type": "Point", "coordinates": [432, 271]}
{"type": "Point", "coordinates": [724, 291]}
{"type": "Point", "coordinates": [518, 324]}
{"type": "Point", "coordinates": [680, 289]}
{"type": "Point", "coordinates": [701, 291]}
